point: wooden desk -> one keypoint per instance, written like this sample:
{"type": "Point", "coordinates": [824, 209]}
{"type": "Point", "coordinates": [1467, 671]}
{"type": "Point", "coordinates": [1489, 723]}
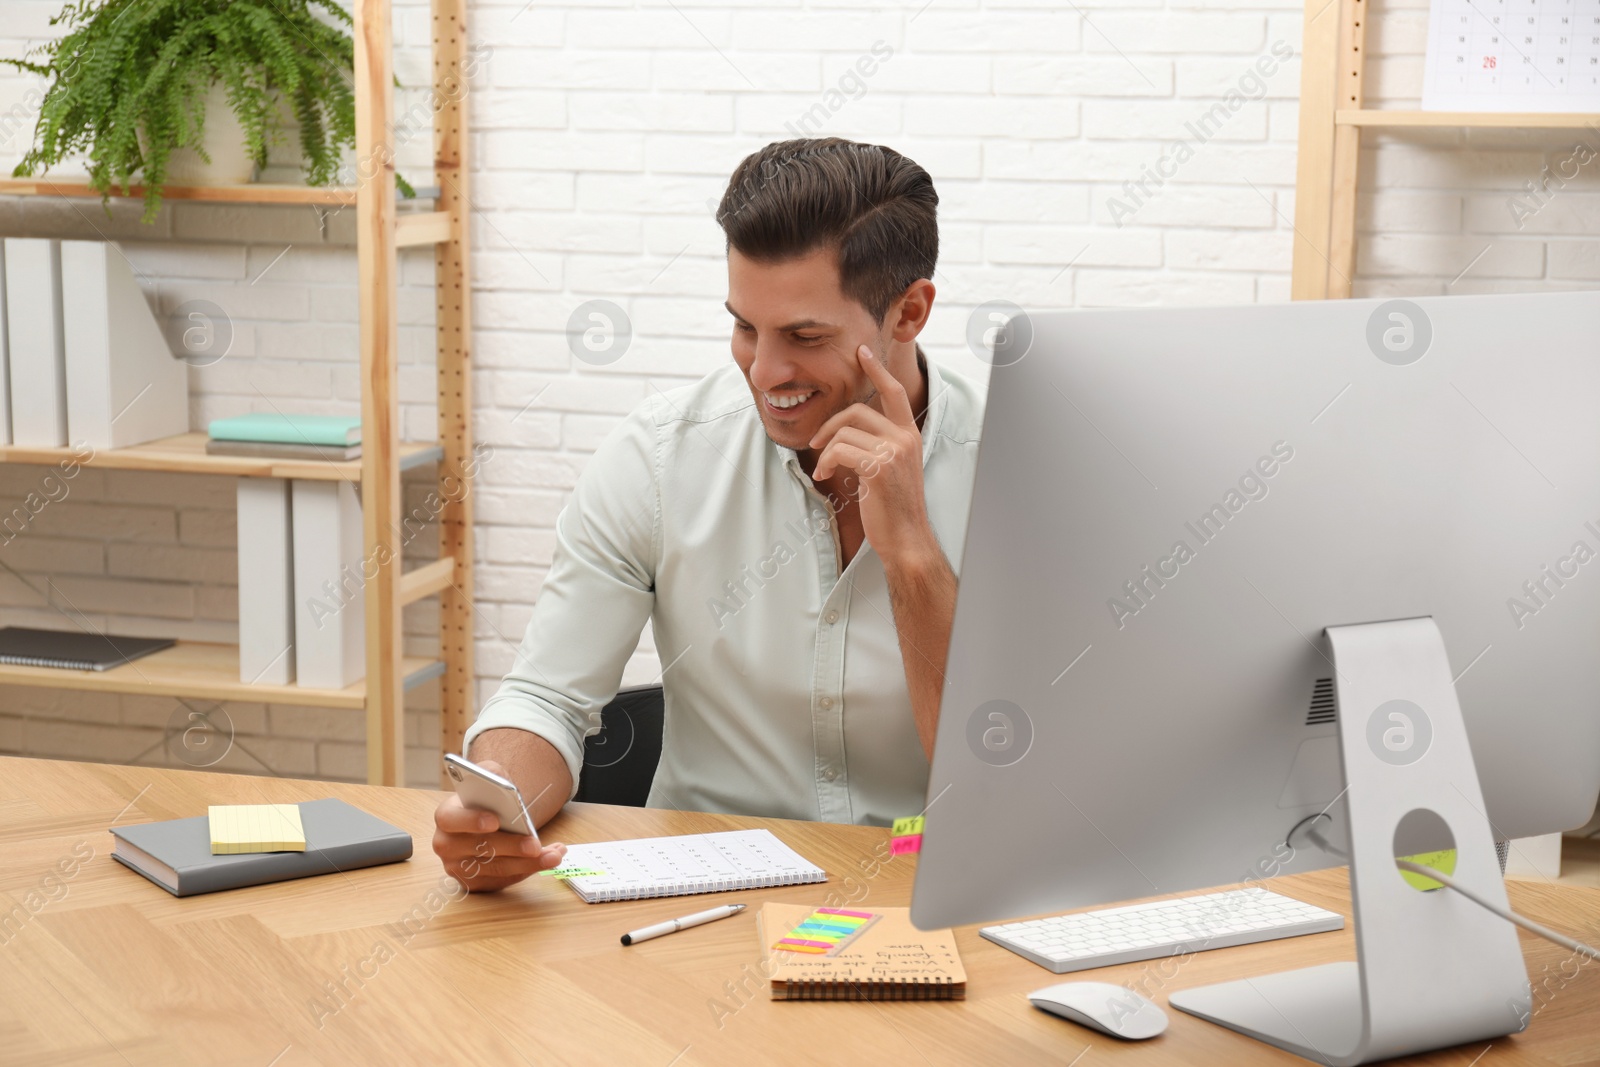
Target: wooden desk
{"type": "Point", "coordinates": [393, 965]}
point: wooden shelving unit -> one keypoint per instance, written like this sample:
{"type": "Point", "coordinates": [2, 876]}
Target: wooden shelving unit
{"type": "Point", "coordinates": [253, 193]}
{"type": "Point", "coordinates": [1377, 118]}
{"type": "Point", "coordinates": [201, 670]}
{"type": "Point", "coordinates": [198, 670]}
{"type": "Point", "coordinates": [1333, 67]}
{"type": "Point", "coordinates": [186, 453]}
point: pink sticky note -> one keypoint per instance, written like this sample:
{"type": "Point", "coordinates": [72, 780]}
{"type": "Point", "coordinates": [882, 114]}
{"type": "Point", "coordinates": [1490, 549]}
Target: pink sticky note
{"type": "Point", "coordinates": [901, 846]}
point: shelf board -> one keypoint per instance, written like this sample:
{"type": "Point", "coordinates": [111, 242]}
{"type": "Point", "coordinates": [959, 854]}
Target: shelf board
{"type": "Point", "coordinates": [1379, 118]}
{"type": "Point", "coordinates": [204, 671]}
{"type": "Point", "coordinates": [248, 193]}
{"type": "Point", "coordinates": [186, 453]}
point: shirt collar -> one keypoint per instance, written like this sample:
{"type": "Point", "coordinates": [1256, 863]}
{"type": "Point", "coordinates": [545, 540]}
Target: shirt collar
{"type": "Point", "coordinates": [932, 420]}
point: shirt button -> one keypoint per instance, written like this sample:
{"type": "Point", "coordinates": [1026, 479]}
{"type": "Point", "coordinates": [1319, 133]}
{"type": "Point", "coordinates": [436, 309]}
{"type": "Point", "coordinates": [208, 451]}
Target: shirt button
{"type": "Point", "coordinates": [830, 774]}
{"type": "Point", "coordinates": [826, 702]}
{"type": "Point", "coordinates": [831, 617]}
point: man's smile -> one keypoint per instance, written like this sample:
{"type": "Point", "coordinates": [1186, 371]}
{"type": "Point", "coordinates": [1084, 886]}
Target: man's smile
{"type": "Point", "coordinates": [787, 404]}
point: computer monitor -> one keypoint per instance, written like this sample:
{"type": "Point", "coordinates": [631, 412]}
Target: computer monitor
{"type": "Point", "coordinates": [1171, 505]}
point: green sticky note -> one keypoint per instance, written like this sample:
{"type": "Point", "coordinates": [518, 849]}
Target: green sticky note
{"type": "Point", "coordinates": [907, 827]}
{"type": "Point", "coordinates": [1444, 862]}
{"type": "Point", "coordinates": [571, 872]}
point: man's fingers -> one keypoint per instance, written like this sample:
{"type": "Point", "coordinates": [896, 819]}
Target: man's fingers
{"type": "Point", "coordinates": [501, 870]}
{"type": "Point", "coordinates": [858, 415]}
{"type": "Point", "coordinates": [839, 454]}
{"type": "Point", "coordinates": [896, 404]}
{"type": "Point", "coordinates": [484, 872]}
{"type": "Point", "coordinates": [869, 443]}
{"type": "Point", "coordinates": [453, 817]}
{"type": "Point", "coordinates": [450, 846]}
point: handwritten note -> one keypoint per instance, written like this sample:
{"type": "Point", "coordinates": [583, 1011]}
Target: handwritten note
{"type": "Point", "coordinates": [910, 826]}
{"type": "Point", "coordinates": [907, 836]}
{"type": "Point", "coordinates": [570, 872]}
{"type": "Point", "coordinates": [884, 958]}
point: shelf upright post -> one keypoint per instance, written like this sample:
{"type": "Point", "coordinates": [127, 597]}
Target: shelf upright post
{"type": "Point", "coordinates": [1332, 57]}
{"type": "Point", "coordinates": [1350, 68]}
{"type": "Point", "coordinates": [1313, 199]}
{"type": "Point", "coordinates": [458, 469]}
{"type": "Point", "coordinates": [380, 432]}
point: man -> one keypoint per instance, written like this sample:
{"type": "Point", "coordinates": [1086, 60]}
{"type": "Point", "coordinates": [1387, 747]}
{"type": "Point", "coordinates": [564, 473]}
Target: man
{"type": "Point", "coordinates": [789, 523]}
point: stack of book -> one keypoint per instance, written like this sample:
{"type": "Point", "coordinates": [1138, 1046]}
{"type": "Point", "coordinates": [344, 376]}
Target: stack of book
{"type": "Point", "coordinates": [273, 436]}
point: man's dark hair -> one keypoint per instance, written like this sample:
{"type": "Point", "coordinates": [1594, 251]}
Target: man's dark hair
{"type": "Point", "coordinates": [874, 205]}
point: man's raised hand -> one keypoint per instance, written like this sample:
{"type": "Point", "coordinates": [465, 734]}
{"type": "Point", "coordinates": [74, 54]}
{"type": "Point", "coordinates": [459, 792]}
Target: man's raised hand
{"type": "Point", "coordinates": [884, 450]}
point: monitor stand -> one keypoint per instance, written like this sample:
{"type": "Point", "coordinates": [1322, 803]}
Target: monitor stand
{"type": "Point", "coordinates": [1432, 968]}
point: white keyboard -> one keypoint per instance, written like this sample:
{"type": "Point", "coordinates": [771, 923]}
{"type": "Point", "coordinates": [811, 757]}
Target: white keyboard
{"type": "Point", "coordinates": [1064, 943]}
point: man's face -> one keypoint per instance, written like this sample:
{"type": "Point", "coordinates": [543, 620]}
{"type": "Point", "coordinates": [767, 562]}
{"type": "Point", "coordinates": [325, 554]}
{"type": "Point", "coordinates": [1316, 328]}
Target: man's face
{"type": "Point", "coordinates": [795, 337]}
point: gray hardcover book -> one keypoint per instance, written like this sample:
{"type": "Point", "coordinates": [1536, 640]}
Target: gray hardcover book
{"type": "Point", "coordinates": [176, 854]}
{"type": "Point", "coordinates": [275, 450]}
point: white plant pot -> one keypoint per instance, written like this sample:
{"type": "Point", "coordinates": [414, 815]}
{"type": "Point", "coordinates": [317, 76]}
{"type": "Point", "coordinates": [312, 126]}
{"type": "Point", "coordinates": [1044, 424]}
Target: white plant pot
{"type": "Point", "coordinates": [231, 163]}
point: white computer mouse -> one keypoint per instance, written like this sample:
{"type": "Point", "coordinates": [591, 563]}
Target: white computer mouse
{"type": "Point", "coordinates": [1103, 1006]}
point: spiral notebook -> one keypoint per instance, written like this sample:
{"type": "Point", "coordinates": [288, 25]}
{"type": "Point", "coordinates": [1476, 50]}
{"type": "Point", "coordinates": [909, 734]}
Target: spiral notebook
{"type": "Point", "coordinates": [693, 863]}
{"type": "Point", "coordinates": [70, 650]}
{"type": "Point", "coordinates": [857, 954]}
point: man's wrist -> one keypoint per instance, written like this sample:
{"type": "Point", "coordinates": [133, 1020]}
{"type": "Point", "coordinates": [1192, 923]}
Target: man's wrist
{"type": "Point", "coordinates": [916, 563]}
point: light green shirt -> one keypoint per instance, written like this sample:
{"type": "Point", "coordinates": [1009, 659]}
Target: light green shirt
{"type": "Point", "coordinates": [785, 691]}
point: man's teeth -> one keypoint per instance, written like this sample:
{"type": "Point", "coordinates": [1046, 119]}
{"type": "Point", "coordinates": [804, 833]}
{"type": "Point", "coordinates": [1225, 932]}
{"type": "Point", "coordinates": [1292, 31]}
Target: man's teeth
{"type": "Point", "coordinates": [788, 401]}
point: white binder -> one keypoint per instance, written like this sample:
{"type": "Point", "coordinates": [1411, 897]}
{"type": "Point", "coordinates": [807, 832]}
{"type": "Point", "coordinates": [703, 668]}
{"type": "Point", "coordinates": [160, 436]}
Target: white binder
{"type": "Point", "coordinates": [266, 582]}
{"type": "Point", "coordinates": [37, 355]}
{"type": "Point", "coordinates": [329, 612]}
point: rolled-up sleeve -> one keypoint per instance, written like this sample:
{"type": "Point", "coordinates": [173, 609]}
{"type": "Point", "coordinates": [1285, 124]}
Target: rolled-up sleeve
{"type": "Point", "coordinates": [595, 600]}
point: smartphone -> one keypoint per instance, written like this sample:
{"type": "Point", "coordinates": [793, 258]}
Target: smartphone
{"type": "Point", "coordinates": [487, 791]}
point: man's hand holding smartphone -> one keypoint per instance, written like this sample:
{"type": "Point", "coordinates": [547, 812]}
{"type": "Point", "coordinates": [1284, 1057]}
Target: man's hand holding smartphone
{"type": "Point", "coordinates": [479, 847]}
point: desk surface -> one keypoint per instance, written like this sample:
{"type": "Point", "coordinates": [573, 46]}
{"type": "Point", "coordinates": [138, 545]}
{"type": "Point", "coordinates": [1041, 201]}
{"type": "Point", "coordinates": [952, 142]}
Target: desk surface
{"type": "Point", "coordinates": [393, 965]}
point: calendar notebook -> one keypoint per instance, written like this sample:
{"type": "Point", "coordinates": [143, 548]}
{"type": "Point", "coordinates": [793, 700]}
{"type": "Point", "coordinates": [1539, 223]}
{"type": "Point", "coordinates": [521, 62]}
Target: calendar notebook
{"type": "Point", "coordinates": [856, 953]}
{"type": "Point", "coordinates": [693, 863]}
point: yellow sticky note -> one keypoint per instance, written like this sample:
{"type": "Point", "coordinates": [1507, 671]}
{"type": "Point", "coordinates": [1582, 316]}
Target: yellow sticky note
{"type": "Point", "coordinates": [571, 872]}
{"type": "Point", "coordinates": [239, 828]}
{"type": "Point", "coordinates": [908, 826]}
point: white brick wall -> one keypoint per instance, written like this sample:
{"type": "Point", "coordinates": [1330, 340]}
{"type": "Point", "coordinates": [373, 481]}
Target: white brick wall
{"type": "Point", "coordinates": [603, 134]}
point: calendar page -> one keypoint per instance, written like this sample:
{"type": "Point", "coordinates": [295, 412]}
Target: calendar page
{"type": "Point", "coordinates": [1513, 55]}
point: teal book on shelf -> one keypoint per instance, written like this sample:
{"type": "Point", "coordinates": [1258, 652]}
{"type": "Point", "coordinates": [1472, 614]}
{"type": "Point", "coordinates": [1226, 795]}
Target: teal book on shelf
{"type": "Point", "coordinates": [335, 431]}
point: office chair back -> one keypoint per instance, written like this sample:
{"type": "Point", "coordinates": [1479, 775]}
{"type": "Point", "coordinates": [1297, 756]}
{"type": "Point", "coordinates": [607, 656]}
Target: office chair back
{"type": "Point", "coordinates": [619, 762]}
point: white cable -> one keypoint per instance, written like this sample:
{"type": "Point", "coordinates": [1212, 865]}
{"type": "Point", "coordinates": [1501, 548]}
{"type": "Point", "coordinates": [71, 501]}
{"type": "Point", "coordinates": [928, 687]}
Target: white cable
{"type": "Point", "coordinates": [1509, 916]}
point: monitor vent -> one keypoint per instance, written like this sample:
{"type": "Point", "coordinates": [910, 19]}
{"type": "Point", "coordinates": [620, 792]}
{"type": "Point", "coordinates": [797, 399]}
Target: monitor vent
{"type": "Point", "coordinates": [1322, 706]}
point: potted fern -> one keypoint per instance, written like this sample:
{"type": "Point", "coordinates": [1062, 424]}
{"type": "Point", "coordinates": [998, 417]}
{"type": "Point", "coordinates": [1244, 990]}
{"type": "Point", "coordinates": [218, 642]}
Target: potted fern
{"type": "Point", "coordinates": [187, 90]}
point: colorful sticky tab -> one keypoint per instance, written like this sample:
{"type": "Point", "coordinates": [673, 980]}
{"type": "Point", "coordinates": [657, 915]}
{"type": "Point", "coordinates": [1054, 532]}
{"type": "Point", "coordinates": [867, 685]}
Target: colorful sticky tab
{"type": "Point", "coordinates": [904, 846]}
{"type": "Point", "coordinates": [907, 837]}
{"type": "Point", "coordinates": [826, 931]}
{"type": "Point", "coordinates": [910, 826]}
{"type": "Point", "coordinates": [571, 872]}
